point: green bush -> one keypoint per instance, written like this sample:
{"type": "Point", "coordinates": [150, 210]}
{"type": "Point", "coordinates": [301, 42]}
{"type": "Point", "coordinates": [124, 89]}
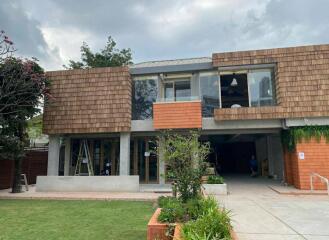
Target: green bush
{"type": "Point", "coordinates": [185, 157]}
{"type": "Point", "coordinates": [197, 207]}
{"type": "Point", "coordinates": [172, 211]}
{"type": "Point", "coordinates": [215, 179]}
{"type": "Point", "coordinates": [163, 200]}
{"type": "Point", "coordinates": [214, 224]}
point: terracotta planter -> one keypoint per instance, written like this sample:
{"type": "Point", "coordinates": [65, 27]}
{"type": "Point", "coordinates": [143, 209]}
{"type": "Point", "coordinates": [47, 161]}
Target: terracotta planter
{"type": "Point", "coordinates": [179, 227]}
{"type": "Point", "coordinates": [155, 229]}
{"type": "Point", "coordinates": [177, 232]}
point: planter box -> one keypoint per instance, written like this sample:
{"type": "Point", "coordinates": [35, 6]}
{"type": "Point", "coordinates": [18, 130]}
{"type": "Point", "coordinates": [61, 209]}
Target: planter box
{"type": "Point", "coordinates": [155, 229]}
{"type": "Point", "coordinates": [215, 189]}
{"type": "Point", "coordinates": [178, 231]}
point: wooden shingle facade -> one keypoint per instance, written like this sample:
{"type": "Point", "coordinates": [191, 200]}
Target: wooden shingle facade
{"type": "Point", "coordinates": [89, 101]}
{"type": "Point", "coordinates": [301, 82]}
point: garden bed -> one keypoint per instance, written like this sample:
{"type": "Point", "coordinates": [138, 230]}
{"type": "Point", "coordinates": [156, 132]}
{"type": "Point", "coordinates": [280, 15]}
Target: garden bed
{"type": "Point", "coordinates": [197, 221]}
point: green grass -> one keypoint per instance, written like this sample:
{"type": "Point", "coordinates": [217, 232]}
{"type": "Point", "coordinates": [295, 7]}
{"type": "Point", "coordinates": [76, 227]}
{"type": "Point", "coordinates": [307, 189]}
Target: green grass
{"type": "Point", "coordinates": [47, 219]}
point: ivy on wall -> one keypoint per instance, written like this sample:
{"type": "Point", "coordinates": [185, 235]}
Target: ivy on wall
{"type": "Point", "coordinates": [295, 135]}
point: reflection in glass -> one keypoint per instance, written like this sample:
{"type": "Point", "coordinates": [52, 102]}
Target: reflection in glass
{"type": "Point", "coordinates": [169, 91]}
{"type": "Point", "coordinates": [182, 90]}
{"type": "Point", "coordinates": [261, 88]}
{"type": "Point", "coordinates": [143, 96]}
{"type": "Point", "coordinates": [209, 93]}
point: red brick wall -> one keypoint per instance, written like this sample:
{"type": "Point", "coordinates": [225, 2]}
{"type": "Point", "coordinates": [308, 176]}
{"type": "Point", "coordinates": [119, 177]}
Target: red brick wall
{"type": "Point", "coordinates": [34, 164]}
{"type": "Point", "coordinates": [176, 115]}
{"type": "Point", "coordinates": [297, 171]}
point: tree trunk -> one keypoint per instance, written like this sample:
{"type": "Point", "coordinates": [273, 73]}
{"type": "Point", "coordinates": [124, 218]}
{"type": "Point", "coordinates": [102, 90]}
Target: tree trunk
{"type": "Point", "coordinates": [17, 186]}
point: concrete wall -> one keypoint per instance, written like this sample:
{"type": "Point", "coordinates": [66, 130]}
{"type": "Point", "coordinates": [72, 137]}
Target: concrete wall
{"type": "Point", "coordinates": [261, 151]}
{"type": "Point", "coordinates": [87, 184]}
{"type": "Point", "coordinates": [53, 155]}
{"type": "Point", "coordinates": [270, 148]}
{"type": "Point", "coordinates": [275, 156]}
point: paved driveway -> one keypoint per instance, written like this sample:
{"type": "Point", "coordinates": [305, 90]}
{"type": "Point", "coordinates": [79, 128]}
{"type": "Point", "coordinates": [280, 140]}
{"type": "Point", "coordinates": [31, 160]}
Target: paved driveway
{"type": "Point", "coordinates": [259, 213]}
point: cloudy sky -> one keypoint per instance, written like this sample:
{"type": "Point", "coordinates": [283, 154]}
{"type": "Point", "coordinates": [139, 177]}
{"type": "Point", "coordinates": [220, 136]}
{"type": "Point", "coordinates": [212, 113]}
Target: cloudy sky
{"type": "Point", "coordinates": [53, 30]}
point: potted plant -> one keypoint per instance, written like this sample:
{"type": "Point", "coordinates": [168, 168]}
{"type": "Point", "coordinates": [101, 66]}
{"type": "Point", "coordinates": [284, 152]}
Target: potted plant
{"type": "Point", "coordinates": [215, 185]}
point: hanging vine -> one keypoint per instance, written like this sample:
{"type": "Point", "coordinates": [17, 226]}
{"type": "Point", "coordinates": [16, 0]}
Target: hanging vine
{"type": "Point", "coordinates": [295, 135]}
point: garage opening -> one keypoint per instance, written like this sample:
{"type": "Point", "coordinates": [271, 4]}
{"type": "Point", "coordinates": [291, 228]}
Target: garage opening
{"type": "Point", "coordinates": [232, 154]}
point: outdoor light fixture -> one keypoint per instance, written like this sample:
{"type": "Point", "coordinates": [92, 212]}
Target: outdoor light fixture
{"type": "Point", "coordinates": [234, 82]}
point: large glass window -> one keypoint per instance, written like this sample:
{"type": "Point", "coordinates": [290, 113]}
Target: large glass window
{"type": "Point", "coordinates": [209, 90]}
{"type": "Point", "coordinates": [261, 88]}
{"type": "Point", "coordinates": [144, 95]}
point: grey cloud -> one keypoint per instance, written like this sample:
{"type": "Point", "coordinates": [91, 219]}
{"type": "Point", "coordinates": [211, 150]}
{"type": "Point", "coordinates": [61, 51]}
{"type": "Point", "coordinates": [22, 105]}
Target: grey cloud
{"type": "Point", "coordinates": [24, 31]}
{"type": "Point", "coordinates": [146, 27]}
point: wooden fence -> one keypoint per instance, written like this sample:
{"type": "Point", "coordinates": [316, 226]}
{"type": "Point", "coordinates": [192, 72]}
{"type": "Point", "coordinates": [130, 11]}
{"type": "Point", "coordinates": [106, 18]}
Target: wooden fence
{"type": "Point", "coordinates": [34, 164]}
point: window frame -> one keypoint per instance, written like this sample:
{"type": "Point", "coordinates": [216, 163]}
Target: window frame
{"type": "Point", "coordinates": [173, 81]}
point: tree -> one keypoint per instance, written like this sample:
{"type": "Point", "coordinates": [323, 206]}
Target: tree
{"type": "Point", "coordinates": [22, 85]}
{"type": "Point", "coordinates": [110, 56]}
{"type": "Point", "coordinates": [186, 157]}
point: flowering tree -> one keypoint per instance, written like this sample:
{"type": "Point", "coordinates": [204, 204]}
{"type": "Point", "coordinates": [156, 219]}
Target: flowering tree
{"type": "Point", "coordinates": [6, 46]}
{"type": "Point", "coordinates": [22, 86]}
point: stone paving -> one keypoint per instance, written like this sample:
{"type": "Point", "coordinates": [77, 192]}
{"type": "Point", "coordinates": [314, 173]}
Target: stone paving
{"type": "Point", "coordinates": [145, 195]}
{"type": "Point", "coordinates": [260, 213]}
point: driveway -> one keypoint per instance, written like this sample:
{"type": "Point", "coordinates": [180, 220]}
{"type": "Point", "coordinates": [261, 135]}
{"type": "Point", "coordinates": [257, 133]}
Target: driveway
{"type": "Point", "coordinates": [259, 213]}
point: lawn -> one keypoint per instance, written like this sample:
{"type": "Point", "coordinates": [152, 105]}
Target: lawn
{"type": "Point", "coordinates": [47, 219]}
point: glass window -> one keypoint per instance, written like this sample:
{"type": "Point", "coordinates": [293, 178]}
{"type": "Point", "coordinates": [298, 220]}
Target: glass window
{"type": "Point", "coordinates": [182, 90]}
{"type": "Point", "coordinates": [144, 95]}
{"type": "Point", "coordinates": [177, 90]}
{"type": "Point", "coordinates": [169, 91]}
{"type": "Point", "coordinates": [209, 93]}
{"type": "Point", "coordinates": [261, 88]}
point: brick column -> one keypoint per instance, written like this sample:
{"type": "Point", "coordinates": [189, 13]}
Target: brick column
{"type": "Point", "coordinates": [316, 159]}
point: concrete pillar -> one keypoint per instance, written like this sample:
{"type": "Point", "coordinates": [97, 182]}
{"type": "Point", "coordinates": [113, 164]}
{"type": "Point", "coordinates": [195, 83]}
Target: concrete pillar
{"type": "Point", "coordinates": [53, 155]}
{"type": "Point", "coordinates": [162, 165]}
{"type": "Point", "coordinates": [275, 156]}
{"type": "Point", "coordinates": [67, 159]}
{"type": "Point", "coordinates": [124, 153]}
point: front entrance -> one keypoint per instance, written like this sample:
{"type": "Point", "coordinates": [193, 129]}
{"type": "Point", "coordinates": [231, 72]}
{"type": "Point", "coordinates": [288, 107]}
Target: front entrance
{"type": "Point", "coordinates": [233, 154]}
{"type": "Point", "coordinates": [144, 160]}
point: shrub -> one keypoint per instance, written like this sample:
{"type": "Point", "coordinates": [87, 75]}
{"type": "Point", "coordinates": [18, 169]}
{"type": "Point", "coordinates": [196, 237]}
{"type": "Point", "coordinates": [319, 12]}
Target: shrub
{"type": "Point", "coordinates": [185, 157]}
{"type": "Point", "coordinates": [163, 201]}
{"type": "Point", "coordinates": [197, 207]}
{"type": "Point", "coordinates": [172, 211]}
{"type": "Point", "coordinates": [215, 179]}
{"type": "Point", "coordinates": [212, 225]}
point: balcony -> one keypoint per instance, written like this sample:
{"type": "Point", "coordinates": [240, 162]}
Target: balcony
{"type": "Point", "coordinates": [183, 113]}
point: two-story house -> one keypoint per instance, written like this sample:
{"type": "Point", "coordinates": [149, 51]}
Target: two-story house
{"type": "Point", "coordinates": [239, 101]}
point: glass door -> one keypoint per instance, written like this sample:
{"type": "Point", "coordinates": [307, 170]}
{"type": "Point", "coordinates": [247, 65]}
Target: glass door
{"type": "Point", "coordinates": [146, 159]}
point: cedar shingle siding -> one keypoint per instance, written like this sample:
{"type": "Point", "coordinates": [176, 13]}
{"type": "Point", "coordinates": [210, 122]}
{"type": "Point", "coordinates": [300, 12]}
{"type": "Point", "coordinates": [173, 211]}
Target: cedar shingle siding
{"type": "Point", "coordinates": [89, 101]}
{"type": "Point", "coordinates": [301, 77]}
